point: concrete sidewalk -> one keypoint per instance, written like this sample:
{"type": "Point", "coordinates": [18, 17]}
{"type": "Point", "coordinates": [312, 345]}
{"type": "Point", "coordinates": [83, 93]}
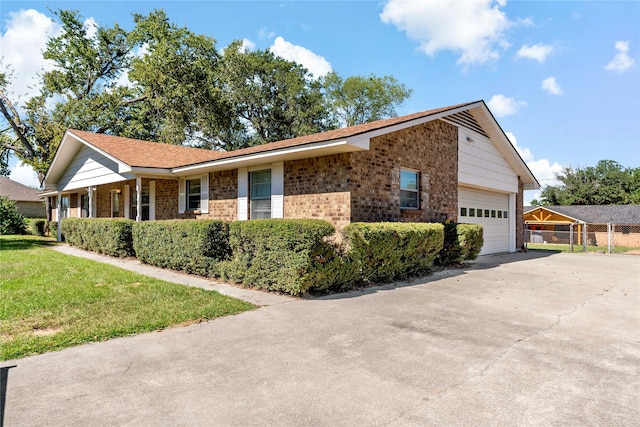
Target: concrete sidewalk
{"type": "Point", "coordinates": [250, 295]}
{"type": "Point", "coordinates": [521, 339]}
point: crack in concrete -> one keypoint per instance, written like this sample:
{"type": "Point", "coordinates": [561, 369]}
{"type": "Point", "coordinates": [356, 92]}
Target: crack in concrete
{"type": "Point", "coordinates": [502, 354]}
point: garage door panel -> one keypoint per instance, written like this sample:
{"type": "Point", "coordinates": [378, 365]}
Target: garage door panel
{"type": "Point", "coordinates": [495, 226]}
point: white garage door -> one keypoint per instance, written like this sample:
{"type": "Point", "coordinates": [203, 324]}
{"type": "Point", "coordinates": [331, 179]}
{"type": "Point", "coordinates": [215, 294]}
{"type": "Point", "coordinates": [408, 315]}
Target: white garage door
{"type": "Point", "coordinates": [489, 210]}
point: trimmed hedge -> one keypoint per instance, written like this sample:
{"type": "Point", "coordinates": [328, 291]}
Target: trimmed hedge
{"type": "Point", "coordinates": [383, 252]}
{"type": "Point", "coordinates": [462, 242]}
{"type": "Point", "coordinates": [470, 239]}
{"type": "Point", "coordinates": [37, 226]}
{"type": "Point", "coordinates": [103, 235]}
{"type": "Point", "coordinates": [194, 246]}
{"type": "Point", "coordinates": [279, 254]}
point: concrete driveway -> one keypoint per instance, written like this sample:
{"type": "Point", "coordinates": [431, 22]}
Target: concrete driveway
{"type": "Point", "coordinates": [519, 339]}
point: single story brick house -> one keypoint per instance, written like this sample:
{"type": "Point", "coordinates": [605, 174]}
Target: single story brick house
{"type": "Point", "coordinates": [449, 163]}
{"type": "Point", "coordinates": [27, 201]}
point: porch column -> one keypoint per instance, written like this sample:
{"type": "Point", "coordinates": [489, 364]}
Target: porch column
{"type": "Point", "coordinates": [58, 215]}
{"type": "Point", "coordinates": [90, 193]}
{"type": "Point", "coordinates": [138, 198]}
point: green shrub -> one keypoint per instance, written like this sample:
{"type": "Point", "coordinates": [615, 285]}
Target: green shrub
{"type": "Point", "coordinates": [383, 252]}
{"type": "Point", "coordinates": [471, 239]}
{"type": "Point", "coordinates": [451, 252]}
{"type": "Point", "coordinates": [195, 246]}
{"type": "Point", "coordinates": [51, 229]}
{"type": "Point", "coordinates": [37, 226]}
{"type": "Point", "coordinates": [103, 235]}
{"type": "Point", "coordinates": [11, 222]}
{"type": "Point", "coordinates": [282, 255]}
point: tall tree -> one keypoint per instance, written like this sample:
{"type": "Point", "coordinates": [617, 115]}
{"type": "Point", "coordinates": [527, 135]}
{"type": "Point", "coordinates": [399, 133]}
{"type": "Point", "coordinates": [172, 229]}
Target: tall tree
{"type": "Point", "coordinates": [360, 99]}
{"type": "Point", "coordinates": [607, 183]}
{"type": "Point", "coordinates": [272, 98]}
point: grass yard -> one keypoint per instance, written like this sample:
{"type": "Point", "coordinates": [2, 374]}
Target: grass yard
{"type": "Point", "coordinates": [49, 301]}
{"type": "Point", "coordinates": [576, 248]}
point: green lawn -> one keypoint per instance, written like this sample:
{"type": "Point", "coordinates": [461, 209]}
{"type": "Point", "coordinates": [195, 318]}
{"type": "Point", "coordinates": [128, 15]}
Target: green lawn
{"type": "Point", "coordinates": [576, 248]}
{"type": "Point", "coordinates": [49, 301]}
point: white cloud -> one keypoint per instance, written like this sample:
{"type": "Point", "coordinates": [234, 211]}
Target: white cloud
{"type": "Point", "coordinates": [622, 61]}
{"type": "Point", "coordinates": [550, 85]}
{"type": "Point", "coordinates": [537, 52]}
{"type": "Point", "coordinates": [316, 64]}
{"type": "Point", "coordinates": [91, 27]}
{"type": "Point", "coordinates": [475, 29]}
{"type": "Point", "coordinates": [26, 35]}
{"type": "Point", "coordinates": [247, 45]}
{"type": "Point", "coordinates": [266, 34]}
{"type": "Point", "coordinates": [24, 174]}
{"type": "Point", "coordinates": [544, 171]}
{"type": "Point", "coordinates": [503, 106]}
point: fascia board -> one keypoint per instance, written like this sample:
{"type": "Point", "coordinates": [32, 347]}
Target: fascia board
{"type": "Point", "coordinates": [291, 153]}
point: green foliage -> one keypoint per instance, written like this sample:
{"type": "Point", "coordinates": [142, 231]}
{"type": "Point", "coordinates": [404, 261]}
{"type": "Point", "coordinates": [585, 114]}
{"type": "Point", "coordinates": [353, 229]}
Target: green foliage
{"type": "Point", "coordinates": [11, 222]}
{"type": "Point", "coordinates": [271, 98]}
{"type": "Point", "coordinates": [470, 239]}
{"type": "Point", "coordinates": [37, 227]}
{"type": "Point", "coordinates": [276, 254]}
{"type": "Point", "coordinates": [607, 183]}
{"type": "Point", "coordinates": [451, 252]}
{"type": "Point", "coordinates": [195, 246]}
{"type": "Point", "coordinates": [462, 242]}
{"type": "Point", "coordinates": [103, 235]}
{"type": "Point", "coordinates": [362, 99]}
{"type": "Point", "coordinates": [52, 229]}
{"type": "Point", "coordinates": [387, 251]}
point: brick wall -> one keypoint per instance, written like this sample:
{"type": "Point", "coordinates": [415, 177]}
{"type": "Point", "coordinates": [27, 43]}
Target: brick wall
{"type": "Point", "coordinates": [318, 188]}
{"type": "Point", "coordinates": [166, 198]}
{"type": "Point", "coordinates": [432, 149]}
{"type": "Point", "coordinates": [31, 209]}
{"type": "Point", "coordinates": [223, 197]}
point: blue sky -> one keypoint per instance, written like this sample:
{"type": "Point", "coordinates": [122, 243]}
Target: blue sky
{"type": "Point", "coordinates": [561, 77]}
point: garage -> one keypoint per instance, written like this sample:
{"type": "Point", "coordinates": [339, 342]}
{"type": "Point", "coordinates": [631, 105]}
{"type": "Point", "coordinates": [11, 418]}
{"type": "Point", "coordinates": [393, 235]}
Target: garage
{"type": "Point", "coordinates": [489, 209]}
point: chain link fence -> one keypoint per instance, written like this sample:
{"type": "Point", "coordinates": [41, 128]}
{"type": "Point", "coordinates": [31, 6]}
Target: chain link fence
{"type": "Point", "coordinates": [584, 237]}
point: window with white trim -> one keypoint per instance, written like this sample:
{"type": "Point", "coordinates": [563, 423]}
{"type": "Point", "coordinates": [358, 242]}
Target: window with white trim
{"type": "Point", "coordinates": [145, 203]}
{"type": "Point", "coordinates": [260, 194]}
{"type": "Point", "coordinates": [193, 188]}
{"type": "Point", "coordinates": [409, 189]}
{"type": "Point", "coordinates": [84, 205]}
{"type": "Point", "coordinates": [64, 207]}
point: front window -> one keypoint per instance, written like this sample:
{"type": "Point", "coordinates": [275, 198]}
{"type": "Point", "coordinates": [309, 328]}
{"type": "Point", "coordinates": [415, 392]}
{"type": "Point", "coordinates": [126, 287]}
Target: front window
{"type": "Point", "coordinates": [193, 194]}
{"type": "Point", "coordinates": [64, 207]}
{"type": "Point", "coordinates": [260, 194]}
{"type": "Point", "coordinates": [115, 204]}
{"type": "Point", "coordinates": [409, 189]}
{"type": "Point", "coordinates": [145, 203]}
{"type": "Point", "coordinates": [84, 205]}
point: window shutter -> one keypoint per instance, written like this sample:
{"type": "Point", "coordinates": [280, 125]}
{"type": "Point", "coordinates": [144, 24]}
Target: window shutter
{"type": "Point", "coordinates": [152, 200]}
{"type": "Point", "coordinates": [79, 200]}
{"type": "Point", "coordinates": [181, 196]}
{"type": "Point", "coordinates": [204, 193]}
{"type": "Point", "coordinates": [277, 190]}
{"type": "Point", "coordinates": [243, 192]}
{"type": "Point", "coordinates": [127, 201]}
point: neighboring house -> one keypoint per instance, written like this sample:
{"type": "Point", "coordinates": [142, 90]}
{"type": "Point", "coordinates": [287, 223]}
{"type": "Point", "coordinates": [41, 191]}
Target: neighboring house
{"type": "Point", "coordinates": [450, 163]}
{"type": "Point", "coordinates": [28, 203]}
{"type": "Point", "coordinates": [592, 220]}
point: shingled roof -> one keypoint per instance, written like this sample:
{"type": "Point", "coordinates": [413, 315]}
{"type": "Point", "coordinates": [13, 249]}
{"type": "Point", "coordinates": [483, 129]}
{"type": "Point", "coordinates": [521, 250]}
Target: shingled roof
{"type": "Point", "coordinates": [17, 192]}
{"type": "Point", "coordinates": [596, 214]}
{"type": "Point", "coordinates": [137, 153]}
